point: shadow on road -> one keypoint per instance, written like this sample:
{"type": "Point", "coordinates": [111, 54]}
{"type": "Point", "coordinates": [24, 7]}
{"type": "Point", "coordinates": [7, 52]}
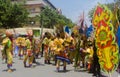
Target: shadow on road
{"type": "Point", "coordinates": [7, 70]}
{"type": "Point", "coordinates": [63, 71]}
{"type": "Point", "coordinates": [80, 70]}
{"type": "Point", "coordinates": [37, 64]}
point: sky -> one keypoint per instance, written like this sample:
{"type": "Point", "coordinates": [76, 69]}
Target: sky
{"type": "Point", "coordinates": [72, 9]}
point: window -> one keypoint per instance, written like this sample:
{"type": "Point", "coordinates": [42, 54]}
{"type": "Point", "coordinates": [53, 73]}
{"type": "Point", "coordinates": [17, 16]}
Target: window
{"type": "Point", "coordinates": [32, 10]}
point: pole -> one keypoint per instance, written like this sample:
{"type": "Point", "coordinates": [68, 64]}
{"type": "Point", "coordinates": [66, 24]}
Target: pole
{"type": "Point", "coordinates": [109, 75]}
{"type": "Point", "coordinates": [41, 25]}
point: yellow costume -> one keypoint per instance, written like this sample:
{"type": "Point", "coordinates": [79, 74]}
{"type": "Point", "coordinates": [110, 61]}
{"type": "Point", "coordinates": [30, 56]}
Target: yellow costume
{"type": "Point", "coordinates": [28, 54]}
{"type": "Point", "coordinates": [21, 44]}
{"type": "Point", "coordinates": [70, 43]}
{"type": "Point", "coordinates": [36, 47]}
{"type": "Point", "coordinates": [7, 43]}
{"type": "Point", "coordinates": [61, 53]}
{"type": "Point", "coordinates": [89, 57]}
{"type": "Point", "coordinates": [46, 42]}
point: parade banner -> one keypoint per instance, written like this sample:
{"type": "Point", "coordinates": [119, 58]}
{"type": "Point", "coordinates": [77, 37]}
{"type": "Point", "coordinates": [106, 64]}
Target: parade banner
{"type": "Point", "coordinates": [107, 47]}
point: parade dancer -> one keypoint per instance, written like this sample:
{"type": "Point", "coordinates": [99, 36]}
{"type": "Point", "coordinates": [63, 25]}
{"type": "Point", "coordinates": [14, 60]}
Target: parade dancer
{"type": "Point", "coordinates": [15, 47]}
{"type": "Point", "coordinates": [71, 45]}
{"type": "Point", "coordinates": [46, 42]}
{"type": "Point", "coordinates": [28, 54]}
{"type": "Point", "coordinates": [61, 53]}
{"type": "Point", "coordinates": [89, 56]}
{"type": "Point", "coordinates": [52, 49]}
{"type": "Point", "coordinates": [59, 49]}
{"type": "Point", "coordinates": [36, 47]}
{"type": "Point", "coordinates": [77, 54]}
{"type": "Point", "coordinates": [8, 50]}
{"type": "Point", "coordinates": [20, 41]}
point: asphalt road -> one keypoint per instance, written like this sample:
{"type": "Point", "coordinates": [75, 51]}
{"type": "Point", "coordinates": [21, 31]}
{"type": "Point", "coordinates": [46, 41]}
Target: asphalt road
{"type": "Point", "coordinates": [42, 70]}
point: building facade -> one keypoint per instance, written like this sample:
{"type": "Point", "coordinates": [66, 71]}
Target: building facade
{"type": "Point", "coordinates": [34, 8]}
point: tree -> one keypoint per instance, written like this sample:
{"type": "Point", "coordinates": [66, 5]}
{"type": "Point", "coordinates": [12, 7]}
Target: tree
{"type": "Point", "coordinates": [12, 14]}
{"type": "Point", "coordinates": [18, 17]}
{"type": "Point", "coordinates": [4, 11]}
{"type": "Point", "coordinates": [65, 21]}
{"type": "Point", "coordinates": [49, 18]}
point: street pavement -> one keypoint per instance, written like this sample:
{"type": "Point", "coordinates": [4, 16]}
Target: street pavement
{"type": "Point", "coordinates": [42, 70]}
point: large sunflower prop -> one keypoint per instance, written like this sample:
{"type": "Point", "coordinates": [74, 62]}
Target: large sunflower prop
{"type": "Point", "coordinates": [105, 39]}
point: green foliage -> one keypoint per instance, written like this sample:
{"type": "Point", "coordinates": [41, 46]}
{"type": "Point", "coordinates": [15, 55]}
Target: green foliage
{"type": "Point", "coordinates": [49, 18]}
{"type": "Point", "coordinates": [4, 11]}
{"type": "Point", "coordinates": [12, 14]}
{"type": "Point", "coordinates": [118, 13]}
{"type": "Point", "coordinates": [91, 12]}
{"type": "Point", "coordinates": [18, 16]}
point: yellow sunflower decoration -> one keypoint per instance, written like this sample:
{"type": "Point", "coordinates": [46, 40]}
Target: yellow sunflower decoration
{"type": "Point", "coordinates": [107, 48]}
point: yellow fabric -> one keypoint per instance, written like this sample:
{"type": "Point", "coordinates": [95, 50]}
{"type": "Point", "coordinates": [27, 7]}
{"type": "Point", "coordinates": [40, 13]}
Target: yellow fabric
{"type": "Point", "coordinates": [58, 45]}
{"type": "Point", "coordinates": [29, 58]}
{"type": "Point", "coordinates": [90, 51]}
{"type": "Point", "coordinates": [46, 41]}
{"type": "Point", "coordinates": [8, 50]}
{"type": "Point", "coordinates": [20, 41]}
{"type": "Point", "coordinates": [28, 44]}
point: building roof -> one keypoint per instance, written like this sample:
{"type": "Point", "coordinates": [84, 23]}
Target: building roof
{"type": "Point", "coordinates": [43, 2]}
{"type": "Point", "coordinates": [50, 4]}
{"type": "Point", "coordinates": [34, 2]}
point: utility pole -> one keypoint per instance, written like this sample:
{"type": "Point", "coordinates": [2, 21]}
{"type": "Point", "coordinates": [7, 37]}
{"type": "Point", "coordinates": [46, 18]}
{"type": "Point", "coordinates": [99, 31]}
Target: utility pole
{"type": "Point", "coordinates": [41, 21]}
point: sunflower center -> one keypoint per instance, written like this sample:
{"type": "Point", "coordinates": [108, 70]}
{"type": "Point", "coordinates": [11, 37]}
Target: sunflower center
{"type": "Point", "coordinates": [102, 35]}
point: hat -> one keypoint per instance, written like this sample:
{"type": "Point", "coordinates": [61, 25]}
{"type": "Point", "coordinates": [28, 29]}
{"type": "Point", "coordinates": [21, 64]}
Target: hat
{"type": "Point", "coordinates": [9, 33]}
{"type": "Point", "coordinates": [30, 32]}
